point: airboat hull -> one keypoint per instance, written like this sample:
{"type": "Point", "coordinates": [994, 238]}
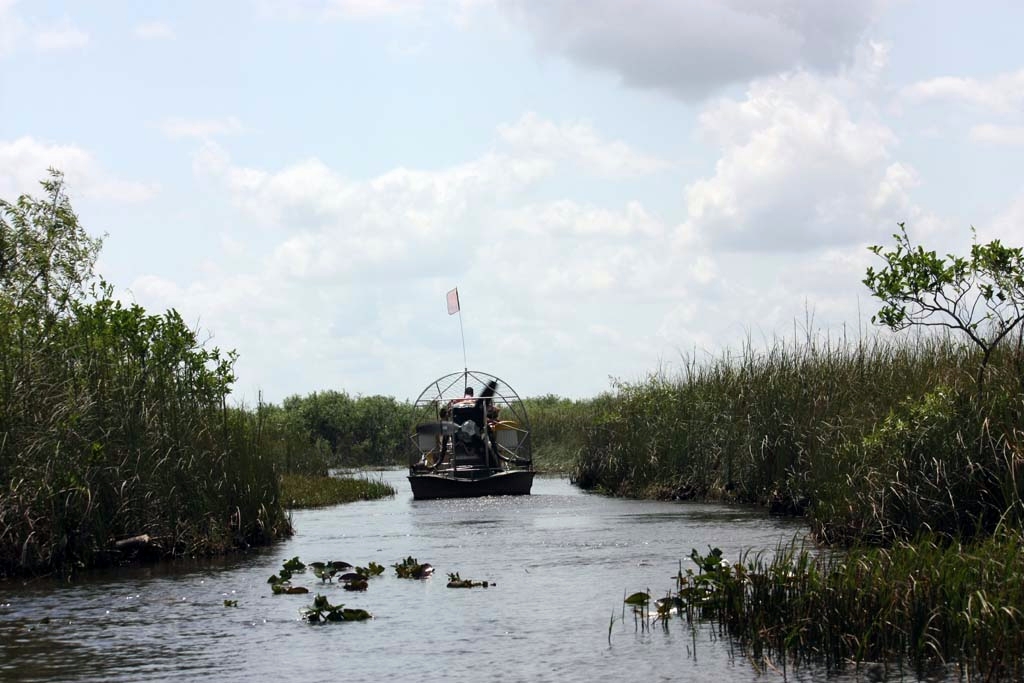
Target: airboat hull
{"type": "Point", "coordinates": [470, 484]}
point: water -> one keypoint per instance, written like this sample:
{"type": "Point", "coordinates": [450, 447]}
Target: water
{"type": "Point", "coordinates": [561, 561]}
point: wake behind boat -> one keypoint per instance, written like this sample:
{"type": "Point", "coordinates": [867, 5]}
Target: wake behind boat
{"type": "Point", "coordinates": [470, 437]}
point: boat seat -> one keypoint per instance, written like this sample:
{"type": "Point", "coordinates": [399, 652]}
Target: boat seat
{"type": "Point", "coordinates": [469, 412]}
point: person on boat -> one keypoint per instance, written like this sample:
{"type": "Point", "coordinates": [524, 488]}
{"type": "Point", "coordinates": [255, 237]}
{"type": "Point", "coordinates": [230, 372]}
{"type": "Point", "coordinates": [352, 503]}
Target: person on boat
{"type": "Point", "coordinates": [467, 399]}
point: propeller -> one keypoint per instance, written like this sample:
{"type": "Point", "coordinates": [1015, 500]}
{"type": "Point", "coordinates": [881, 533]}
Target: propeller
{"type": "Point", "coordinates": [490, 389]}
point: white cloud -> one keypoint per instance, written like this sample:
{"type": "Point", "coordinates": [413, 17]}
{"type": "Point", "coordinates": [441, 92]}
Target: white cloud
{"type": "Point", "coordinates": [369, 8]}
{"type": "Point", "coordinates": [798, 169]}
{"type": "Point", "coordinates": [1001, 94]}
{"type": "Point", "coordinates": [563, 249]}
{"type": "Point", "coordinates": [63, 37]}
{"type": "Point", "coordinates": [1007, 226]}
{"type": "Point", "coordinates": [691, 48]}
{"type": "Point", "coordinates": [12, 28]}
{"type": "Point", "coordinates": [894, 190]}
{"type": "Point", "coordinates": [995, 134]}
{"type": "Point", "coordinates": [15, 31]}
{"type": "Point", "coordinates": [153, 30]}
{"type": "Point", "coordinates": [577, 142]}
{"type": "Point", "coordinates": [342, 10]}
{"type": "Point", "coordinates": [201, 128]}
{"type": "Point", "coordinates": [565, 218]}
{"type": "Point", "coordinates": [335, 227]}
{"type": "Point", "coordinates": [49, 36]}
{"type": "Point", "coordinates": [24, 162]}
{"type": "Point", "coordinates": [343, 255]}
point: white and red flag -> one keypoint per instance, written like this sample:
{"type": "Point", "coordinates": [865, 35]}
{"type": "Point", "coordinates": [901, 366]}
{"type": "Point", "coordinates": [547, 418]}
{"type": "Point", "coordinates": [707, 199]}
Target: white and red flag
{"type": "Point", "coordinates": [453, 301]}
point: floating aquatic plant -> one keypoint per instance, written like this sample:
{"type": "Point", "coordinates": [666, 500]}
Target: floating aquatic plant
{"type": "Point", "coordinates": [322, 611]}
{"type": "Point", "coordinates": [638, 599]}
{"type": "Point", "coordinates": [373, 569]}
{"type": "Point", "coordinates": [294, 565]}
{"type": "Point", "coordinates": [231, 603]}
{"type": "Point", "coordinates": [281, 577]}
{"type": "Point", "coordinates": [323, 571]}
{"type": "Point", "coordinates": [409, 568]}
{"type": "Point", "coordinates": [280, 583]}
{"type": "Point", "coordinates": [456, 581]}
{"type": "Point", "coordinates": [640, 602]}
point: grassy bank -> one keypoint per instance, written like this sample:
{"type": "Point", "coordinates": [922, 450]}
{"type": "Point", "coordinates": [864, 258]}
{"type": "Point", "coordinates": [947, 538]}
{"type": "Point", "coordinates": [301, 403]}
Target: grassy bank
{"type": "Point", "coordinates": [305, 491]}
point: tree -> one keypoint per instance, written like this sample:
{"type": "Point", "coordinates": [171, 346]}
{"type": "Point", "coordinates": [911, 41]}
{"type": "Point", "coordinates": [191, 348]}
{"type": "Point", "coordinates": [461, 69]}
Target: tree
{"type": "Point", "coordinates": [46, 257]}
{"type": "Point", "coordinates": [981, 296]}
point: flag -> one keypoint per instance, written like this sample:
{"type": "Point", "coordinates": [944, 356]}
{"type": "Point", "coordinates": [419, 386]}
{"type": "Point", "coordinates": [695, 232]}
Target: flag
{"type": "Point", "coordinates": [453, 301]}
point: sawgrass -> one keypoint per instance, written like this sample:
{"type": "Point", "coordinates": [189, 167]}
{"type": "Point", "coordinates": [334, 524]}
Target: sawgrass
{"type": "Point", "coordinates": [305, 491]}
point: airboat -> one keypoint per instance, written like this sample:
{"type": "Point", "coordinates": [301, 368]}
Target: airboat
{"type": "Point", "coordinates": [470, 437]}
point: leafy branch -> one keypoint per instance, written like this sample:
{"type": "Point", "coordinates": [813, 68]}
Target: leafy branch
{"type": "Point", "coordinates": [980, 295]}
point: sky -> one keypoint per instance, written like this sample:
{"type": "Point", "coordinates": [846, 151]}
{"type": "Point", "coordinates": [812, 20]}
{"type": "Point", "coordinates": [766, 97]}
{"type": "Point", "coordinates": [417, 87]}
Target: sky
{"type": "Point", "coordinates": [616, 187]}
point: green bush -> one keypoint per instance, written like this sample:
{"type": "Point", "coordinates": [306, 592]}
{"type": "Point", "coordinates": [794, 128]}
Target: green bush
{"type": "Point", "coordinates": [113, 421]}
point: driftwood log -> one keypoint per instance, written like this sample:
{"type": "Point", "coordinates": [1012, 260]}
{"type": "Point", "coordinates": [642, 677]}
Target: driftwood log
{"type": "Point", "coordinates": [135, 544]}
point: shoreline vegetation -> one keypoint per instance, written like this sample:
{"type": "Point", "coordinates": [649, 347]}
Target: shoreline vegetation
{"type": "Point", "coordinates": [116, 440]}
{"type": "Point", "coordinates": [910, 482]}
{"type": "Point", "coordinates": [902, 453]}
{"type": "Point", "coordinates": [302, 491]}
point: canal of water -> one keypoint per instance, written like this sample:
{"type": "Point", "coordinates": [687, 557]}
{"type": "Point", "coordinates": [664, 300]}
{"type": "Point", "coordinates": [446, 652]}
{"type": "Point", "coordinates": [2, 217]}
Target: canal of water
{"type": "Point", "coordinates": [560, 561]}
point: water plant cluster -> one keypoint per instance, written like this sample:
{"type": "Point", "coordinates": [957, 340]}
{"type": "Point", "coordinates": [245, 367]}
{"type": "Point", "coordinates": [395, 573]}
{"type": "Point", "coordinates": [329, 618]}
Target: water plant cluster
{"type": "Point", "coordinates": [927, 606]}
{"type": "Point", "coordinates": [352, 579]}
{"type": "Point", "coordinates": [323, 611]}
{"type": "Point", "coordinates": [456, 581]}
{"type": "Point", "coordinates": [410, 568]}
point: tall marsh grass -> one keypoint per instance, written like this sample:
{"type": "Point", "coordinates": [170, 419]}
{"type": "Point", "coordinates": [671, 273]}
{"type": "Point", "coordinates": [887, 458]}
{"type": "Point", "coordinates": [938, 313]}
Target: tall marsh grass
{"type": "Point", "coordinates": [560, 428]}
{"type": "Point", "coordinates": [876, 440]}
{"type": "Point", "coordinates": [113, 425]}
{"type": "Point", "coordinates": [303, 491]}
{"type": "Point", "coordinates": [926, 605]}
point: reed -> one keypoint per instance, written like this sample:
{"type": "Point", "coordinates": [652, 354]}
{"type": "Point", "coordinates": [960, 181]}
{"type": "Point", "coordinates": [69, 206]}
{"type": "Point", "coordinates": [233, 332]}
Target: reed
{"type": "Point", "coordinates": [875, 439]}
{"type": "Point", "coordinates": [925, 604]}
{"type": "Point", "coordinates": [303, 491]}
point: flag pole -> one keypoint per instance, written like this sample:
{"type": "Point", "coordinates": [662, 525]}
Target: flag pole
{"type": "Point", "coordinates": [465, 363]}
